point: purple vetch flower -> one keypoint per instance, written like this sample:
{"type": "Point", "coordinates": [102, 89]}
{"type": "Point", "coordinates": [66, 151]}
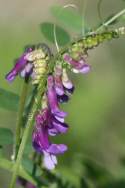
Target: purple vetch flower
{"type": "Point", "coordinates": [19, 66]}
{"type": "Point", "coordinates": [58, 80]}
{"type": "Point", "coordinates": [54, 126]}
{"type": "Point", "coordinates": [67, 84]}
{"type": "Point", "coordinates": [52, 99]}
{"type": "Point", "coordinates": [41, 143]}
{"type": "Point", "coordinates": [78, 66]}
{"type": "Point", "coordinates": [59, 88]}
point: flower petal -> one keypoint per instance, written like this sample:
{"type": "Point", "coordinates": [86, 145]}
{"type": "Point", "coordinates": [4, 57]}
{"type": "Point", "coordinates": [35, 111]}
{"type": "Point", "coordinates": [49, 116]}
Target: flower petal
{"type": "Point", "coordinates": [49, 161]}
{"type": "Point", "coordinates": [18, 67]}
{"type": "Point", "coordinates": [57, 149]}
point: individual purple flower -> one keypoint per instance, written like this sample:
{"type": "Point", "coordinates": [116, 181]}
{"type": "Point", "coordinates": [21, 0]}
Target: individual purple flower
{"type": "Point", "coordinates": [52, 99]}
{"type": "Point", "coordinates": [67, 84]}
{"type": "Point", "coordinates": [79, 66]}
{"type": "Point", "coordinates": [58, 80]}
{"type": "Point", "coordinates": [19, 66]}
{"type": "Point", "coordinates": [41, 143]}
{"type": "Point", "coordinates": [59, 88]}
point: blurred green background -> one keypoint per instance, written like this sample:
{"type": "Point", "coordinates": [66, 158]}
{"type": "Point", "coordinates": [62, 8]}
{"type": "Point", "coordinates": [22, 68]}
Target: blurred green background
{"type": "Point", "coordinates": [97, 108]}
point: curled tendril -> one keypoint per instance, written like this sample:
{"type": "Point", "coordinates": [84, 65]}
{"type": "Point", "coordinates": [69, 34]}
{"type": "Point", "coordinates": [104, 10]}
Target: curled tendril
{"type": "Point", "coordinates": [99, 10]}
{"type": "Point", "coordinates": [54, 29]}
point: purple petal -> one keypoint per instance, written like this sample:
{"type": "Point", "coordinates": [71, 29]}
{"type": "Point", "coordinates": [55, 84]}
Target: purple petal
{"type": "Point", "coordinates": [60, 127]}
{"type": "Point", "coordinates": [58, 113]}
{"type": "Point", "coordinates": [59, 89]}
{"type": "Point", "coordinates": [60, 119]}
{"type": "Point", "coordinates": [11, 75]}
{"type": "Point", "coordinates": [21, 62]}
{"type": "Point", "coordinates": [23, 73]}
{"type": "Point", "coordinates": [57, 149]}
{"type": "Point", "coordinates": [49, 161]}
{"type": "Point", "coordinates": [40, 139]}
{"type": "Point", "coordinates": [67, 58]}
{"type": "Point", "coordinates": [66, 81]}
{"type": "Point", "coordinates": [52, 99]}
{"type": "Point", "coordinates": [57, 128]}
{"type": "Point", "coordinates": [78, 66]}
{"type": "Point", "coordinates": [67, 84]}
{"type": "Point", "coordinates": [58, 80]}
{"type": "Point", "coordinates": [51, 94]}
{"type": "Point", "coordinates": [85, 69]}
{"type": "Point", "coordinates": [52, 132]}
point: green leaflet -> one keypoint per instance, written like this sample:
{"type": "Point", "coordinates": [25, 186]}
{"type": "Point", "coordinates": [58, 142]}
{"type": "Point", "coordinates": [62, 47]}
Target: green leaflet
{"type": "Point", "coordinates": [8, 100]}
{"type": "Point", "coordinates": [69, 17]}
{"type": "Point", "coordinates": [6, 136]}
{"type": "Point", "coordinates": [62, 36]}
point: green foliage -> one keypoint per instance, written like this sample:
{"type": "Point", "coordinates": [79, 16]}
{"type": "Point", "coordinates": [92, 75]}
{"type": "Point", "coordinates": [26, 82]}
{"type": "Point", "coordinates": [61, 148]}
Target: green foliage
{"type": "Point", "coordinates": [56, 180]}
{"type": "Point", "coordinates": [8, 100]}
{"type": "Point", "coordinates": [6, 136]}
{"type": "Point", "coordinates": [115, 184]}
{"type": "Point", "coordinates": [62, 36]}
{"type": "Point", "coordinates": [69, 17]}
{"type": "Point", "coordinates": [28, 147]}
{"type": "Point", "coordinates": [95, 171]}
{"type": "Point", "coordinates": [27, 164]}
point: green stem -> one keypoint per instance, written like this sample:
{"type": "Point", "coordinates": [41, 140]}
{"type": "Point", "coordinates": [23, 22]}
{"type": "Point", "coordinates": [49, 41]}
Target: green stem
{"type": "Point", "coordinates": [34, 165]}
{"type": "Point", "coordinates": [8, 165]}
{"type": "Point", "coordinates": [115, 17]}
{"type": "Point", "coordinates": [20, 115]}
{"type": "Point", "coordinates": [27, 132]}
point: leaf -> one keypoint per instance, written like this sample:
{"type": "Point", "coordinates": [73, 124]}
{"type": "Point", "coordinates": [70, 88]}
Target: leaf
{"type": "Point", "coordinates": [84, 183]}
{"type": "Point", "coordinates": [115, 184]}
{"type": "Point", "coordinates": [28, 166]}
{"type": "Point", "coordinates": [69, 17]}
{"type": "Point", "coordinates": [47, 30]}
{"type": "Point", "coordinates": [96, 173]}
{"type": "Point", "coordinates": [8, 100]}
{"type": "Point", "coordinates": [28, 148]}
{"type": "Point", "coordinates": [6, 136]}
{"type": "Point", "coordinates": [1, 151]}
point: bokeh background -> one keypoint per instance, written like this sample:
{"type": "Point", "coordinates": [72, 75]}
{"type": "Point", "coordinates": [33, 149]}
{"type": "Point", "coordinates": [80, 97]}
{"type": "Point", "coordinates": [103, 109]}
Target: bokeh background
{"type": "Point", "coordinates": [97, 108]}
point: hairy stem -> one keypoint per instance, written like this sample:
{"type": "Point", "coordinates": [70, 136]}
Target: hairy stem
{"type": "Point", "coordinates": [115, 17]}
{"type": "Point", "coordinates": [27, 132]}
{"type": "Point", "coordinates": [19, 116]}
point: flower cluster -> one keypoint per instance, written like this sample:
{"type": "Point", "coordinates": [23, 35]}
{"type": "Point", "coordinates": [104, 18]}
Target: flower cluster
{"type": "Point", "coordinates": [50, 120]}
